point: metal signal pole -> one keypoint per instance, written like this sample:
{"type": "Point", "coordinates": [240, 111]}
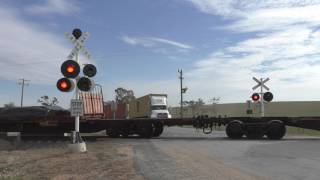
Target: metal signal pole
{"type": "Point", "coordinates": [23, 82]}
{"type": "Point", "coordinates": [261, 99]}
{"type": "Point", "coordinates": [77, 122]}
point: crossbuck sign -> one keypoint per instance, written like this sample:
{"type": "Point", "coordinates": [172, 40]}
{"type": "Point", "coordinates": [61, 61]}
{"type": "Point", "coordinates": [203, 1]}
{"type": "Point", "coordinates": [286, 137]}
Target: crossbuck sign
{"type": "Point", "coordinates": [261, 83]}
{"type": "Point", "coordinates": [79, 47]}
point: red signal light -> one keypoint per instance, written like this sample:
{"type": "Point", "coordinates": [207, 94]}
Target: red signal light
{"type": "Point", "coordinates": [70, 69]}
{"type": "Point", "coordinates": [255, 97]}
{"type": "Point", "coordinates": [65, 85]}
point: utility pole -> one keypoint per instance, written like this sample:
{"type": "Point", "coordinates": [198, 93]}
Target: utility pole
{"type": "Point", "coordinates": [182, 90]}
{"type": "Point", "coordinates": [23, 82]}
{"type": "Point", "coordinates": [181, 94]}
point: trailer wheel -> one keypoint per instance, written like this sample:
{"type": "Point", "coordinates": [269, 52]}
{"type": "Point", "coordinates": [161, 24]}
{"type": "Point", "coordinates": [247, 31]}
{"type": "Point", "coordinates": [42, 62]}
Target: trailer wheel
{"type": "Point", "coordinates": [112, 133]}
{"type": "Point", "coordinates": [234, 129]}
{"type": "Point", "coordinates": [145, 130]}
{"type": "Point", "coordinates": [276, 130]}
{"type": "Point", "coordinates": [158, 129]}
{"type": "Point", "coordinates": [124, 133]}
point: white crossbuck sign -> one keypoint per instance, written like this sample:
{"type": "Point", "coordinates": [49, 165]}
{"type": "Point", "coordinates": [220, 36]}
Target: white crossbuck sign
{"type": "Point", "coordinates": [79, 47]}
{"type": "Point", "coordinates": [261, 83]}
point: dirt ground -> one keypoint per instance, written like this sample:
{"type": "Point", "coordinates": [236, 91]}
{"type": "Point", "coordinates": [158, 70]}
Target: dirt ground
{"type": "Point", "coordinates": [118, 159]}
{"type": "Point", "coordinates": [180, 153]}
{"type": "Point", "coordinates": [52, 160]}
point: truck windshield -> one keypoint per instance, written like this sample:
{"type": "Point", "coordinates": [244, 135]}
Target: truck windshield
{"type": "Point", "coordinates": [159, 107]}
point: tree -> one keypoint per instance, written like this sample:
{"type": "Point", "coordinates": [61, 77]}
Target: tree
{"type": "Point", "coordinates": [214, 101]}
{"type": "Point", "coordinates": [45, 101]}
{"type": "Point", "coordinates": [192, 105]}
{"type": "Point", "coordinates": [195, 105]}
{"type": "Point", "coordinates": [9, 105]}
{"type": "Point", "coordinates": [199, 104]}
{"type": "Point", "coordinates": [123, 95]}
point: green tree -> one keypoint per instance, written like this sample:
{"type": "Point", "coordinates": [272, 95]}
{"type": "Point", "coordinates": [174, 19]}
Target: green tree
{"type": "Point", "coordinates": [123, 95]}
{"type": "Point", "coordinates": [9, 105]}
{"type": "Point", "coordinates": [46, 101]}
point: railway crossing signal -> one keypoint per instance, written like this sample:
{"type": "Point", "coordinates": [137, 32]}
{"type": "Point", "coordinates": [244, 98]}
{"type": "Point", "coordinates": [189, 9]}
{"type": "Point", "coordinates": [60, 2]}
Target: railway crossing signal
{"type": "Point", "coordinates": [262, 97]}
{"type": "Point", "coordinates": [71, 69]}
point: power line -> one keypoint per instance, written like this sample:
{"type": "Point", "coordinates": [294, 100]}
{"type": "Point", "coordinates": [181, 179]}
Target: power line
{"type": "Point", "coordinates": [23, 82]}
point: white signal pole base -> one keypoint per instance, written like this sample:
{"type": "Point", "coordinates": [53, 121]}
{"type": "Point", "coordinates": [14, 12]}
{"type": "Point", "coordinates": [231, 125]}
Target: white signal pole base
{"type": "Point", "coordinates": [77, 144]}
{"type": "Point", "coordinates": [78, 147]}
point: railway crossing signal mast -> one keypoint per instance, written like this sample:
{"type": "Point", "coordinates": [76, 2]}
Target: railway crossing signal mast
{"type": "Point", "coordinates": [71, 69]}
{"type": "Point", "coordinates": [262, 97]}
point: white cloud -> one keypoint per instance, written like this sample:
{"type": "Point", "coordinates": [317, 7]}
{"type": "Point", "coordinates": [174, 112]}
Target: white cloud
{"type": "Point", "coordinates": [284, 45]}
{"type": "Point", "coordinates": [154, 42]}
{"type": "Point", "coordinates": [63, 7]}
{"type": "Point", "coordinates": [29, 51]}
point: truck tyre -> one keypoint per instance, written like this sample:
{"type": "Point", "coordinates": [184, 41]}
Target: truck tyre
{"type": "Point", "coordinates": [276, 130]}
{"type": "Point", "coordinates": [145, 130]}
{"type": "Point", "coordinates": [157, 129]}
{"type": "Point", "coordinates": [234, 129]}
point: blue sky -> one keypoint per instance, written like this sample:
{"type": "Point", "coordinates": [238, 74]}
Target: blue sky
{"type": "Point", "coordinates": [141, 44]}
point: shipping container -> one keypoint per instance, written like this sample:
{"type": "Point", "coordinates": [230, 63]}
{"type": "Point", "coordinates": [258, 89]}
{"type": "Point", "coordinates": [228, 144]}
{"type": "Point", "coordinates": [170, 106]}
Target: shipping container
{"type": "Point", "coordinates": [120, 111]}
{"type": "Point", "coordinates": [149, 106]}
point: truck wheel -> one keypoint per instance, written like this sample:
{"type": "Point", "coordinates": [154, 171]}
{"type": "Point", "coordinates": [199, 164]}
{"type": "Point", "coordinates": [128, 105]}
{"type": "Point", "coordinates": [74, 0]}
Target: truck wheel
{"type": "Point", "coordinates": [158, 129]}
{"type": "Point", "coordinates": [145, 130]}
{"type": "Point", "coordinates": [276, 130]}
{"type": "Point", "coordinates": [234, 130]}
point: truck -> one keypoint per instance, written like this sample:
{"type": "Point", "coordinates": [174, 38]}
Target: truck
{"type": "Point", "coordinates": [149, 106]}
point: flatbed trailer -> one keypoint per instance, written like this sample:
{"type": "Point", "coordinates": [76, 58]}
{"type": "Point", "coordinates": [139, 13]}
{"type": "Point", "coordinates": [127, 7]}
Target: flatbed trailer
{"type": "Point", "coordinates": [236, 127]}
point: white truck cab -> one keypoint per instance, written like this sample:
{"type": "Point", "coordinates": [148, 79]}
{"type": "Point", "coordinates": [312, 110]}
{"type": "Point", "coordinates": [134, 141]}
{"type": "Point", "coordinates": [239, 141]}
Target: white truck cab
{"type": "Point", "coordinates": [159, 107]}
{"type": "Point", "coordinates": [149, 106]}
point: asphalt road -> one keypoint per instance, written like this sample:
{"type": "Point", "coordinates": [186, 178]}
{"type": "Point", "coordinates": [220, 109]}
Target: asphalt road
{"type": "Point", "coordinates": [183, 153]}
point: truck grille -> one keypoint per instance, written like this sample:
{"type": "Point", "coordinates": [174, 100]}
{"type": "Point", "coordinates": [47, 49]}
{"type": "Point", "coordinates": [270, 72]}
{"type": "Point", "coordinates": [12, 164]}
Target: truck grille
{"type": "Point", "coordinates": [162, 115]}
